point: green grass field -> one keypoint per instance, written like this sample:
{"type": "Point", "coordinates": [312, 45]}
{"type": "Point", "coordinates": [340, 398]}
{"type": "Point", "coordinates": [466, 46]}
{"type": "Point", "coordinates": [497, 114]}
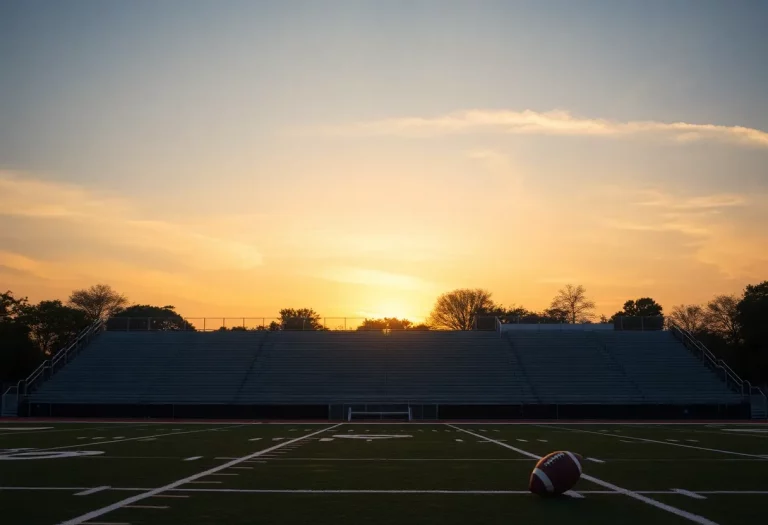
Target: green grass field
{"type": "Point", "coordinates": [215, 473]}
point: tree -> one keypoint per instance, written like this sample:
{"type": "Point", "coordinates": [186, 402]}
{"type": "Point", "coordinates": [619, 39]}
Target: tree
{"type": "Point", "coordinates": [300, 319]}
{"type": "Point", "coordinates": [18, 354]}
{"type": "Point", "coordinates": [721, 318]}
{"type": "Point", "coordinates": [98, 302]}
{"type": "Point", "coordinates": [752, 316]}
{"type": "Point", "coordinates": [457, 310]}
{"type": "Point", "coordinates": [52, 325]}
{"type": "Point", "coordinates": [689, 317]}
{"type": "Point", "coordinates": [148, 317]}
{"type": "Point", "coordinates": [643, 307]}
{"type": "Point", "coordinates": [573, 301]}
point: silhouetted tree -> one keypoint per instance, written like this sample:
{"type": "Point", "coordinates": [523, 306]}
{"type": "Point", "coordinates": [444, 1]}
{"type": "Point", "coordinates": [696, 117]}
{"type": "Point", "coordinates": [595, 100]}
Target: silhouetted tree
{"type": "Point", "coordinates": [721, 318]}
{"type": "Point", "coordinates": [573, 301]}
{"type": "Point", "coordinates": [52, 325]}
{"type": "Point", "coordinates": [148, 317]}
{"type": "Point", "coordinates": [643, 307]}
{"type": "Point", "coordinates": [18, 354]}
{"type": "Point", "coordinates": [753, 318]}
{"type": "Point", "coordinates": [689, 317]}
{"type": "Point", "coordinates": [98, 302]}
{"type": "Point", "coordinates": [457, 310]}
{"type": "Point", "coordinates": [300, 319]}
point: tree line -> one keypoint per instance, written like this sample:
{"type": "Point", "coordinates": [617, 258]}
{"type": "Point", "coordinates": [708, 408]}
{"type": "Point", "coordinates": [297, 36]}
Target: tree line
{"type": "Point", "coordinates": [734, 327]}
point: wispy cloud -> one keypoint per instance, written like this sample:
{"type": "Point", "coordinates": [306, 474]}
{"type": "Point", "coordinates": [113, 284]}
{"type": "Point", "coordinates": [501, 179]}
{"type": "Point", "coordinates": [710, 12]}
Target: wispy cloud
{"type": "Point", "coordinates": [555, 122]}
{"type": "Point", "coordinates": [114, 222]}
{"type": "Point", "coordinates": [703, 202]}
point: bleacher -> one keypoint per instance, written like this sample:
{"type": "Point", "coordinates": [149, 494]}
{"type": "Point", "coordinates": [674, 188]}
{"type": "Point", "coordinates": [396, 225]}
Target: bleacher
{"type": "Point", "coordinates": [607, 367]}
{"type": "Point", "coordinates": [453, 368]}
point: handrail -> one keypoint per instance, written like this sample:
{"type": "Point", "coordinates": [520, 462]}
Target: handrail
{"type": "Point", "coordinates": [49, 364]}
{"type": "Point", "coordinates": [714, 361]}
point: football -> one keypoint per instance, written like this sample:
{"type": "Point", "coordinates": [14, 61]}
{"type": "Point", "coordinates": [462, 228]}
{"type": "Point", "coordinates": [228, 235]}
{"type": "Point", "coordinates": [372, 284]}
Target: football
{"type": "Point", "coordinates": [555, 473]}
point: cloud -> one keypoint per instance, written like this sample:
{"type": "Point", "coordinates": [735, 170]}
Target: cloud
{"type": "Point", "coordinates": [555, 122]}
{"type": "Point", "coordinates": [113, 223]}
{"type": "Point", "coordinates": [704, 202]}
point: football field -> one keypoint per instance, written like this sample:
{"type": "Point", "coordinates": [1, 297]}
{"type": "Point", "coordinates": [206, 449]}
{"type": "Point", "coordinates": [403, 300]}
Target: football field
{"type": "Point", "coordinates": [351, 473]}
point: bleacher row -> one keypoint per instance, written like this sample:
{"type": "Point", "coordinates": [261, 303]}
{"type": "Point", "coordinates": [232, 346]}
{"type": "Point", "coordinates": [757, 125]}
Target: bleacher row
{"type": "Point", "coordinates": [273, 368]}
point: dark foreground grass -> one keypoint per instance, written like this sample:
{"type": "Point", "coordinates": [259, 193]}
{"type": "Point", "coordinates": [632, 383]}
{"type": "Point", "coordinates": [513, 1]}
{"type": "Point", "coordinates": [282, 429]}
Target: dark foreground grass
{"type": "Point", "coordinates": [374, 473]}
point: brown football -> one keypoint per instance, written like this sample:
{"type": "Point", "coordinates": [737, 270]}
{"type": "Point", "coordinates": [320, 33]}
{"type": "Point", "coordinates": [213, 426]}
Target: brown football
{"type": "Point", "coordinates": [555, 473]}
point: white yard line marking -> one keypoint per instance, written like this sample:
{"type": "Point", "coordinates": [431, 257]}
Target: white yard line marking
{"type": "Point", "coordinates": [542, 441]}
{"type": "Point", "coordinates": [82, 437]}
{"type": "Point", "coordinates": [156, 507]}
{"type": "Point", "coordinates": [646, 440]}
{"type": "Point", "coordinates": [170, 496]}
{"type": "Point", "coordinates": [190, 479]}
{"type": "Point", "coordinates": [520, 440]}
{"type": "Point", "coordinates": [131, 439]}
{"type": "Point", "coordinates": [254, 439]}
{"type": "Point", "coordinates": [460, 440]}
{"type": "Point", "coordinates": [149, 439]}
{"type": "Point", "coordinates": [701, 520]}
{"type": "Point", "coordinates": [574, 494]}
{"type": "Point", "coordinates": [99, 437]}
{"type": "Point", "coordinates": [689, 494]}
{"type": "Point", "coordinates": [595, 460]}
{"type": "Point", "coordinates": [692, 440]}
{"type": "Point", "coordinates": [672, 440]}
{"type": "Point", "coordinates": [94, 490]}
{"type": "Point", "coordinates": [193, 458]}
{"type": "Point", "coordinates": [326, 439]}
{"type": "Point", "coordinates": [278, 439]}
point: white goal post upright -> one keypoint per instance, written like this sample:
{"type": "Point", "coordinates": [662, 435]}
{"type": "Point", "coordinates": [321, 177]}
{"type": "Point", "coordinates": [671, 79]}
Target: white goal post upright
{"type": "Point", "coordinates": [382, 414]}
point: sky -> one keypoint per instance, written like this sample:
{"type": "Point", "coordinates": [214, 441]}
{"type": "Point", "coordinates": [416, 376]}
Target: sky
{"type": "Point", "coordinates": [360, 158]}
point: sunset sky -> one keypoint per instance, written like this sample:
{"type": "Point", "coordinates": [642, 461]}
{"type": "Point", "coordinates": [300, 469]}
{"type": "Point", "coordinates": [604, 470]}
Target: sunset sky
{"type": "Point", "coordinates": [232, 158]}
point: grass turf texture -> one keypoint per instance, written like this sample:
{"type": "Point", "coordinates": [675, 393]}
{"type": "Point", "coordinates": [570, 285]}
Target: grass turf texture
{"type": "Point", "coordinates": [369, 480]}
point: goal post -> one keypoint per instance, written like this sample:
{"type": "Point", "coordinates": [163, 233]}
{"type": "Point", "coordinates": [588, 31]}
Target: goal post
{"type": "Point", "coordinates": [379, 415]}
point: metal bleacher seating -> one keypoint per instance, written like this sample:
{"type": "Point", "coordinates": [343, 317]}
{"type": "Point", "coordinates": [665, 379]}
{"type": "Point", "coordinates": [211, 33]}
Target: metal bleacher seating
{"type": "Point", "coordinates": [285, 367]}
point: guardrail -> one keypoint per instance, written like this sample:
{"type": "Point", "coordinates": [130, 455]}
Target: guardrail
{"type": "Point", "coordinates": [705, 354]}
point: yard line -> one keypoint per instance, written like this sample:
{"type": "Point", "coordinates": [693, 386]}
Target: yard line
{"type": "Point", "coordinates": [157, 507]}
{"type": "Point", "coordinates": [94, 490]}
{"type": "Point", "coordinates": [254, 439]}
{"type": "Point", "coordinates": [521, 440]}
{"type": "Point", "coordinates": [542, 440]}
{"type": "Point", "coordinates": [193, 458]}
{"type": "Point", "coordinates": [574, 494]}
{"type": "Point", "coordinates": [646, 440]}
{"type": "Point", "coordinates": [595, 460]}
{"type": "Point", "coordinates": [190, 479]}
{"type": "Point", "coordinates": [169, 496]}
{"type": "Point", "coordinates": [701, 520]}
{"type": "Point", "coordinates": [689, 494]}
{"type": "Point", "coordinates": [131, 439]}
